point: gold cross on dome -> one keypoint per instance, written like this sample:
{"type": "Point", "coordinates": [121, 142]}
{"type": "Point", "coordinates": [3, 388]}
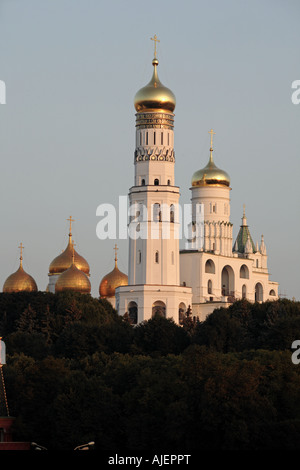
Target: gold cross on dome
{"type": "Point", "coordinates": [116, 249]}
{"type": "Point", "coordinates": [70, 220]}
{"type": "Point", "coordinates": [155, 41]}
{"type": "Point", "coordinates": [21, 249]}
{"type": "Point", "coordinates": [211, 132]}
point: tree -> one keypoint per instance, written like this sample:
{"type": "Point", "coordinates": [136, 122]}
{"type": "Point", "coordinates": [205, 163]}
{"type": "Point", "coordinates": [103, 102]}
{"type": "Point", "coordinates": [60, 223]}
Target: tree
{"type": "Point", "coordinates": [160, 335]}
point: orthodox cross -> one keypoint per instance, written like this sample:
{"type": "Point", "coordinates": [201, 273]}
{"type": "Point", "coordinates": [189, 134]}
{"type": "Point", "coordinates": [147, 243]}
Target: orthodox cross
{"type": "Point", "coordinates": [155, 41]}
{"type": "Point", "coordinates": [21, 250]}
{"type": "Point", "coordinates": [116, 249]}
{"type": "Point", "coordinates": [21, 253]}
{"type": "Point", "coordinates": [71, 220]}
{"type": "Point", "coordinates": [211, 132]}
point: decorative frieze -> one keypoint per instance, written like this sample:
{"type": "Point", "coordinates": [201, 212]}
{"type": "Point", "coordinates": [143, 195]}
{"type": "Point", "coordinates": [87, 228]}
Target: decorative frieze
{"type": "Point", "coordinates": [155, 120]}
{"type": "Point", "coordinates": [154, 153]}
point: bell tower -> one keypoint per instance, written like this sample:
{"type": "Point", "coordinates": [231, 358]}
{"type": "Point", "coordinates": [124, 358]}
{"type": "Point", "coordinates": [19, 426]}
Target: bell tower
{"type": "Point", "coordinates": [154, 221]}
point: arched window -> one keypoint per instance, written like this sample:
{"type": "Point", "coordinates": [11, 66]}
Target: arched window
{"type": "Point", "coordinates": [156, 257]}
{"type": "Point", "coordinates": [169, 182]}
{"type": "Point", "coordinates": [244, 272]}
{"type": "Point", "coordinates": [244, 291]}
{"type": "Point", "coordinates": [156, 182]}
{"type": "Point", "coordinates": [272, 292]}
{"type": "Point", "coordinates": [133, 312]}
{"type": "Point", "coordinates": [156, 212]}
{"type": "Point", "coordinates": [181, 312]}
{"type": "Point", "coordinates": [143, 182]}
{"type": "Point", "coordinates": [172, 213]}
{"type": "Point", "coordinates": [209, 287]}
{"type": "Point", "coordinates": [210, 266]}
{"type": "Point", "coordinates": [259, 294]}
{"type": "Point", "coordinates": [227, 281]}
{"type": "Point", "coordinates": [159, 308]}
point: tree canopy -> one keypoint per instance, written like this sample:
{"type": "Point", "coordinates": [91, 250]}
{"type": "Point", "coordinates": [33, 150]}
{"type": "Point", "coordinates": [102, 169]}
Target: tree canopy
{"type": "Point", "coordinates": [77, 372]}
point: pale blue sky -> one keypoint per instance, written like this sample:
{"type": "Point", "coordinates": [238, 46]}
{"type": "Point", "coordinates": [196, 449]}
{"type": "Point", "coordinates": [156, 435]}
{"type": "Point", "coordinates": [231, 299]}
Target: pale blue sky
{"type": "Point", "coordinates": [72, 68]}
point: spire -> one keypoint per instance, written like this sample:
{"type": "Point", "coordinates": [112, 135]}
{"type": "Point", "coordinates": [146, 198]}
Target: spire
{"type": "Point", "coordinates": [248, 247]}
{"type": "Point", "coordinates": [244, 241]}
{"type": "Point", "coordinates": [263, 249]}
{"type": "Point", "coordinates": [244, 219]}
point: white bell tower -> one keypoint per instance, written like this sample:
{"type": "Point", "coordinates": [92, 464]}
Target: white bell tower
{"type": "Point", "coordinates": [154, 221]}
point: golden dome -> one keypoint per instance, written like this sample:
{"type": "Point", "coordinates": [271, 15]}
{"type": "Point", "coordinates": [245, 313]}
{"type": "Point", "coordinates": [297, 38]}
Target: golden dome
{"type": "Point", "coordinates": [64, 260]}
{"type": "Point", "coordinates": [111, 281]}
{"type": "Point", "coordinates": [155, 96]}
{"type": "Point", "coordinates": [20, 281]}
{"type": "Point", "coordinates": [73, 279]}
{"type": "Point", "coordinates": [210, 174]}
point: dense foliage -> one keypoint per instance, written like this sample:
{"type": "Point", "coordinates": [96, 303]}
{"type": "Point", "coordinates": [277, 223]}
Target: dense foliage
{"type": "Point", "coordinates": [77, 372]}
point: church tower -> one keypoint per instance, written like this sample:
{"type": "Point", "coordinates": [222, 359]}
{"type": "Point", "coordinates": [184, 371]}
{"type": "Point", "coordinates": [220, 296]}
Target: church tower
{"type": "Point", "coordinates": [154, 223]}
{"type": "Point", "coordinates": [211, 194]}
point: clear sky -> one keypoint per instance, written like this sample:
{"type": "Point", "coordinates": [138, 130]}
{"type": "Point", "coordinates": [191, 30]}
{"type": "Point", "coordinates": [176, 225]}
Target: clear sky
{"type": "Point", "coordinates": [67, 133]}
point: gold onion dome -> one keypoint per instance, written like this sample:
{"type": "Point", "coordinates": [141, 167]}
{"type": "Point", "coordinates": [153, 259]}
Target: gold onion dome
{"type": "Point", "coordinates": [73, 279]}
{"type": "Point", "coordinates": [210, 174]}
{"type": "Point", "coordinates": [20, 281]}
{"type": "Point", "coordinates": [155, 96]}
{"type": "Point", "coordinates": [112, 280]}
{"type": "Point", "coordinates": [64, 260]}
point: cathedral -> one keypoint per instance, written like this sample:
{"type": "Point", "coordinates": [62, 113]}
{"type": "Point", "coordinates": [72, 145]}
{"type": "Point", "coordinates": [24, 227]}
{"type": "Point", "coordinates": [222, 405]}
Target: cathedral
{"type": "Point", "coordinates": [212, 271]}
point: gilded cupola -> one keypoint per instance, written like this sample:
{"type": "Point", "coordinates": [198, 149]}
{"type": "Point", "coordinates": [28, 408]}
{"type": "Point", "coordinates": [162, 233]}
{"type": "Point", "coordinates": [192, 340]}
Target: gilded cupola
{"type": "Point", "coordinates": [63, 261]}
{"type": "Point", "coordinates": [210, 174]}
{"type": "Point", "coordinates": [20, 281]}
{"type": "Point", "coordinates": [112, 280]}
{"type": "Point", "coordinates": [155, 96]}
